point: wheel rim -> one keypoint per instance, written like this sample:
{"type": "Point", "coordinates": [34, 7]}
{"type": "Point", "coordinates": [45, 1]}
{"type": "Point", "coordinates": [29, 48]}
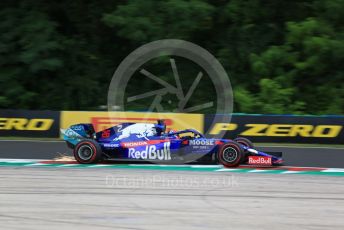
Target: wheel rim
{"type": "Point", "coordinates": [230, 154]}
{"type": "Point", "coordinates": [85, 152]}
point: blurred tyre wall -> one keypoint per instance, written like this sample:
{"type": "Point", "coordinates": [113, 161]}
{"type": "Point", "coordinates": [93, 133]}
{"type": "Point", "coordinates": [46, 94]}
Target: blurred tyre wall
{"type": "Point", "coordinates": [258, 128]}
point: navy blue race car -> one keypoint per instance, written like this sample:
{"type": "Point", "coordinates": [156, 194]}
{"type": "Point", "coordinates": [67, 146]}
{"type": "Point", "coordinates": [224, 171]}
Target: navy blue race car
{"type": "Point", "coordinates": [149, 142]}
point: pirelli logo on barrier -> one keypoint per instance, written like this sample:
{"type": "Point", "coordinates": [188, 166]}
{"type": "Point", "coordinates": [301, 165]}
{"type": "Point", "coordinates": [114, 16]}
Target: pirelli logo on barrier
{"type": "Point", "coordinates": [103, 120]}
{"type": "Point", "coordinates": [280, 130]}
{"type": "Point", "coordinates": [40, 124]}
{"type": "Point", "coordinates": [292, 129]}
{"type": "Point", "coordinates": [28, 123]}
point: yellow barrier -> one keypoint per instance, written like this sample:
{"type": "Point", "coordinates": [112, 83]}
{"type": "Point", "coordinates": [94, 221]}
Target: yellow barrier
{"type": "Point", "coordinates": [103, 120]}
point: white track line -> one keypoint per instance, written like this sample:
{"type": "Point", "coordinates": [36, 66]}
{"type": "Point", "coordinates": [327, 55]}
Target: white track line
{"type": "Point", "coordinates": [227, 170]}
{"type": "Point", "coordinates": [206, 166]}
{"type": "Point", "coordinates": [333, 170]}
{"type": "Point", "coordinates": [288, 172]}
{"type": "Point", "coordinates": [67, 165]}
{"type": "Point", "coordinates": [99, 165]}
{"type": "Point", "coordinates": [19, 160]}
{"type": "Point", "coordinates": [260, 170]}
{"type": "Point", "coordinates": [37, 164]}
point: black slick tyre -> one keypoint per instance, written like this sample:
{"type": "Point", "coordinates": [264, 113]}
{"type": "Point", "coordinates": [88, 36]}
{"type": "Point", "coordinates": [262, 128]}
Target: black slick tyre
{"type": "Point", "coordinates": [87, 152]}
{"type": "Point", "coordinates": [230, 154]}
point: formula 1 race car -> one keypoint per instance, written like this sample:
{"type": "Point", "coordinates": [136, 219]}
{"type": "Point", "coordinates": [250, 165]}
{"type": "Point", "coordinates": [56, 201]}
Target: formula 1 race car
{"type": "Point", "coordinates": [147, 142]}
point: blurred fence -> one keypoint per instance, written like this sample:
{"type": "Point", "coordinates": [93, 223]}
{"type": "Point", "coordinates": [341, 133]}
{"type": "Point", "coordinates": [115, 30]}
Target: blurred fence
{"type": "Point", "coordinates": [258, 128]}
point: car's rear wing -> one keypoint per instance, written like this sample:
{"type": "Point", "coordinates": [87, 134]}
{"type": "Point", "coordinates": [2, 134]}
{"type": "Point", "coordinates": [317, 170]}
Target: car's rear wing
{"type": "Point", "coordinates": [78, 132]}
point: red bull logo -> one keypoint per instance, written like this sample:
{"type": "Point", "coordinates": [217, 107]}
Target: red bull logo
{"type": "Point", "coordinates": [259, 160]}
{"type": "Point", "coordinates": [151, 153]}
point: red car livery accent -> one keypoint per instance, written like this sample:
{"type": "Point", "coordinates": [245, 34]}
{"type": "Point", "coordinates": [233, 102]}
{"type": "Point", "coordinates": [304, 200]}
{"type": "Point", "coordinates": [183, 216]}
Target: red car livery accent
{"type": "Point", "coordinates": [106, 133]}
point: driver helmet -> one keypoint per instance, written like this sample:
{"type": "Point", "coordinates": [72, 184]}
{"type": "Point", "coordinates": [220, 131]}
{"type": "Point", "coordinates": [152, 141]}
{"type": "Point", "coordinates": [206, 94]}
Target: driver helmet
{"type": "Point", "coordinates": [171, 132]}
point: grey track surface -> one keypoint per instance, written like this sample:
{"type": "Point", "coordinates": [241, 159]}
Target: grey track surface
{"type": "Point", "coordinates": [295, 156]}
{"type": "Point", "coordinates": [70, 198]}
{"type": "Point", "coordinates": [65, 198]}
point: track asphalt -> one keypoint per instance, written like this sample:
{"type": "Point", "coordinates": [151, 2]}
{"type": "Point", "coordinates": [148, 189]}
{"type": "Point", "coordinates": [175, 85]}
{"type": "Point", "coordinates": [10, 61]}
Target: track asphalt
{"type": "Point", "coordinates": [39, 195]}
{"type": "Point", "coordinates": [40, 198]}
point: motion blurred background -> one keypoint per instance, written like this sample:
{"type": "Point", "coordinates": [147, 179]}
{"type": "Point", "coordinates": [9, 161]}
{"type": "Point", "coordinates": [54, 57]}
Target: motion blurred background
{"type": "Point", "coordinates": [283, 57]}
{"type": "Point", "coordinates": [285, 60]}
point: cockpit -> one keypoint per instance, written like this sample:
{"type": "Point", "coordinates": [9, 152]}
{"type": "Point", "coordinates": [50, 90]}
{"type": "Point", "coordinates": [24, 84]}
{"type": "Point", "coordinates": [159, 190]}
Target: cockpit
{"type": "Point", "coordinates": [187, 134]}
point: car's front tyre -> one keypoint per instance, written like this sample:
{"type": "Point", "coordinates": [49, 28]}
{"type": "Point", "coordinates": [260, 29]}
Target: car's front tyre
{"type": "Point", "coordinates": [230, 154]}
{"type": "Point", "coordinates": [87, 152]}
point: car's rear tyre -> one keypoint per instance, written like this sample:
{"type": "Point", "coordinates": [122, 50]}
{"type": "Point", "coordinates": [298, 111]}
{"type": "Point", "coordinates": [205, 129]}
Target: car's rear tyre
{"type": "Point", "coordinates": [87, 152]}
{"type": "Point", "coordinates": [244, 141]}
{"type": "Point", "coordinates": [230, 154]}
